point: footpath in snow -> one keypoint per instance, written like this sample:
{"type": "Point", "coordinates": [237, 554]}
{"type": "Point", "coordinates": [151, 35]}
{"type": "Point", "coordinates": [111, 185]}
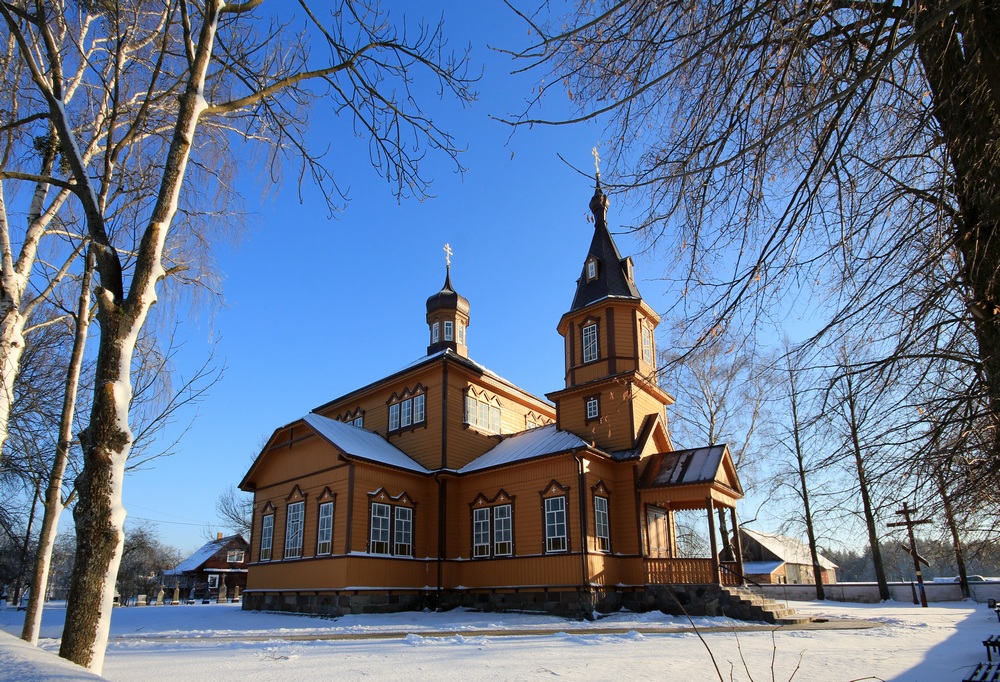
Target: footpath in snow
{"type": "Point", "coordinates": [221, 642]}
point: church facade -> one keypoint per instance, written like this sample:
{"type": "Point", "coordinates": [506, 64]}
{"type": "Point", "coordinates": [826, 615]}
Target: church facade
{"type": "Point", "coordinates": [444, 484]}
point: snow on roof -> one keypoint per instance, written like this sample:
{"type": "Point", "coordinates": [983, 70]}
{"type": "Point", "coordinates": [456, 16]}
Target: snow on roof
{"type": "Point", "coordinates": [788, 549]}
{"type": "Point", "coordinates": [761, 567]}
{"type": "Point", "coordinates": [358, 442]}
{"type": "Point", "coordinates": [537, 442]}
{"type": "Point", "coordinates": [682, 467]}
{"type": "Point", "coordinates": [194, 562]}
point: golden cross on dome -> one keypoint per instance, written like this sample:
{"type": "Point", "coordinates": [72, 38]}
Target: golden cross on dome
{"type": "Point", "coordinates": [447, 254]}
{"type": "Point", "coordinates": [597, 161]}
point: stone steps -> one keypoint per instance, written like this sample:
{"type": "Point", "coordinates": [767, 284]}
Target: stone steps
{"type": "Point", "coordinates": [769, 610]}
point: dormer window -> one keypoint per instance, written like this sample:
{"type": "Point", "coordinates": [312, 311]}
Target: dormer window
{"type": "Point", "coordinates": [591, 269]}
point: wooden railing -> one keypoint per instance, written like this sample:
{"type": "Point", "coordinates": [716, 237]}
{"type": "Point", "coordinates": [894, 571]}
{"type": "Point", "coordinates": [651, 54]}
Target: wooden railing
{"type": "Point", "coordinates": [685, 571]}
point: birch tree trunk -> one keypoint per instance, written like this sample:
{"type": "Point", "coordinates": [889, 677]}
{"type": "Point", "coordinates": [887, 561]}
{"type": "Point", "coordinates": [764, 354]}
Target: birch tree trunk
{"type": "Point", "coordinates": [106, 442]}
{"type": "Point", "coordinates": [53, 494]}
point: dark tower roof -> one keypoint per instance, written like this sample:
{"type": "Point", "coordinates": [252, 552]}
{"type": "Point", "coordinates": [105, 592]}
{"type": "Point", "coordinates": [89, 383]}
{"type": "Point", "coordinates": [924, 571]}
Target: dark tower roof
{"type": "Point", "coordinates": [447, 298]}
{"type": "Point", "coordinates": [612, 278]}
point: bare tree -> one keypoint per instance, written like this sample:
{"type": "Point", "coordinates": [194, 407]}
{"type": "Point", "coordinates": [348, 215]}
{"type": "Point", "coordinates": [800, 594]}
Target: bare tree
{"type": "Point", "coordinates": [802, 151]}
{"type": "Point", "coordinates": [164, 88]}
{"type": "Point", "coordinates": [236, 511]}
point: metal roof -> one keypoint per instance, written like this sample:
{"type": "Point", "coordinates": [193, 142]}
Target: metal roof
{"type": "Point", "coordinates": [683, 467]}
{"type": "Point", "coordinates": [358, 442]}
{"type": "Point", "coordinates": [787, 549]}
{"type": "Point", "coordinates": [537, 442]}
{"type": "Point", "coordinates": [612, 280]}
{"type": "Point", "coordinates": [202, 554]}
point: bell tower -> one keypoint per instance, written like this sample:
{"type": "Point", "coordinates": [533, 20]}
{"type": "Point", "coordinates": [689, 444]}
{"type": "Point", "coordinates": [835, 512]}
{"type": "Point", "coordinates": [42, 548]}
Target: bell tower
{"type": "Point", "coordinates": [610, 351]}
{"type": "Point", "coordinates": [448, 316]}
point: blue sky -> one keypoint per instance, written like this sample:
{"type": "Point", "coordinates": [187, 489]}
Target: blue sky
{"type": "Point", "coordinates": [315, 307]}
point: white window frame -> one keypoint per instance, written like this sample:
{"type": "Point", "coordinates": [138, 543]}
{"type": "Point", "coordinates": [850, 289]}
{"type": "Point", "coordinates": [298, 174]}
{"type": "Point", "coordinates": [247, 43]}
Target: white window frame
{"type": "Point", "coordinates": [449, 330]}
{"type": "Point", "coordinates": [394, 417]}
{"type": "Point", "coordinates": [647, 343]}
{"type": "Point", "coordinates": [555, 524]}
{"type": "Point", "coordinates": [405, 413]}
{"type": "Point", "coordinates": [266, 537]}
{"type": "Point", "coordinates": [435, 332]}
{"type": "Point", "coordinates": [503, 530]}
{"type": "Point", "coordinates": [591, 270]}
{"type": "Point", "coordinates": [359, 421]}
{"type": "Point", "coordinates": [213, 581]}
{"type": "Point", "coordinates": [591, 347]}
{"type": "Point", "coordinates": [324, 531]}
{"type": "Point", "coordinates": [402, 531]}
{"type": "Point", "coordinates": [419, 412]}
{"type": "Point", "coordinates": [481, 532]}
{"type": "Point", "coordinates": [235, 556]}
{"type": "Point", "coordinates": [461, 333]}
{"type": "Point", "coordinates": [593, 408]}
{"type": "Point", "coordinates": [602, 523]}
{"type": "Point", "coordinates": [295, 515]}
{"type": "Point", "coordinates": [378, 537]}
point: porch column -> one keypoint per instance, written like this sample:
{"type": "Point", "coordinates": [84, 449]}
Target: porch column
{"type": "Point", "coordinates": [716, 571]}
{"type": "Point", "coordinates": [738, 545]}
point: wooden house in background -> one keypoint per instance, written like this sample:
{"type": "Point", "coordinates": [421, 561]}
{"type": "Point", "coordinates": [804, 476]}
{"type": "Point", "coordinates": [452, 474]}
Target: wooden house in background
{"type": "Point", "coordinates": [218, 563]}
{"type": "Point", "coordinates": [445, 484]}
{"type": "Point", "coordinates": [772, 559]}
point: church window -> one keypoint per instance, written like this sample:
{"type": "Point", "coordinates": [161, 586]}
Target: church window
{"type": "Point", "coordinates": [448, 331]}
{"type": "Point", "coordinates": [593, 408]}
{"type": "Point", "coordinates": [324, 536]}
{"type": "Point", "coordinates": [492, 532]}
{"type": "Point", "coordinates": [481, 414]}
{"type": "Point", "coordinates": [435, 332]}
{"type": "Point", "coordinates": [359, 421]}
{"type": "Point", "coordinates": [591, 269]}
{"type": "Point", "coordinates": [647, 342]}
{"type": "Point", "coordinates": [266, 537]}
{"type": "Point", "coordinates": [555, 524]}
{"type": "Point", "coordinates": [293, 530]}
{"type": "Point", "coordinates": [602, 528]}
{"type": "Point", "coordinates": [590, 349]}
{"type": "Point", "coordinates": [379, 539]}
{"type": "Point", "coordinates": [404, 532]}
{"type": "Point", "coordinates": [408, 411]}
{"type": "Point", "coordinates": [418, 408]}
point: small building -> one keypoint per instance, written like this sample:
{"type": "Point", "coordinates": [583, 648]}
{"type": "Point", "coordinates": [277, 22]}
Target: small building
{"type": "Point", "coordinates": [775, 559]}
{"type": "Point", "coordinates": [220, 562]}
{"type": "Point", "coordinates": [445, 484]}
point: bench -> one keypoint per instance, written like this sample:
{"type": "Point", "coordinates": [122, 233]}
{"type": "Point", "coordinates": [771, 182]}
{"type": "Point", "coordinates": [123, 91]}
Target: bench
{"type": "Point", "coordinates": [985, 672]}
{"type": "Point", "coordinates": [992, 643]}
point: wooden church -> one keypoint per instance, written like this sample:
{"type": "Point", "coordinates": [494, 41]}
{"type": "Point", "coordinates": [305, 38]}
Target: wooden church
{"type": "Point", "coordinates": [444, 484]}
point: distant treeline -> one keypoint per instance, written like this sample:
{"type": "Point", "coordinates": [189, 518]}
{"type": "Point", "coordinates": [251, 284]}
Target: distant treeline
{"type": "Point", "coordinates": [981, 558]}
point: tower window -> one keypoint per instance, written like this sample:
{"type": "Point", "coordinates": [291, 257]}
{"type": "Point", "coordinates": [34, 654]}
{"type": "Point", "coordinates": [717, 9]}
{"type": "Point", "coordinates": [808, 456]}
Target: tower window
{"type": "Point", "coordinates": [448, 331]}
{"type": "Point", "coordinates": [647, 342]}
{"type": "Point", "coordinates": [461, 333]}
{"type": "Point", "coordinates": [435, 332]}
{"type": "Point", "coordinates": [593, 408]}
{"type": "Point", "coordinates": [590, 348]}
{"type": "Point", "coordinates": [591, 269]}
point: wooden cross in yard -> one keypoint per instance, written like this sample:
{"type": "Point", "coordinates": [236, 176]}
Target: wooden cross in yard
{"type": "Point", "coordinates": [912, 549]}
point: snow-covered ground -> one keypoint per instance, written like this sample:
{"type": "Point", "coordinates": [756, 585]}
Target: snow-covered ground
{"type": "Point", "coordinates": [206, 643]}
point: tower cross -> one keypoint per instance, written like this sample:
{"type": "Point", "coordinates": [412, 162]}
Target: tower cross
{"type": "Point", "coordinates": [447, 254]}
{"type": "Point", "coordinates": [597, 161]}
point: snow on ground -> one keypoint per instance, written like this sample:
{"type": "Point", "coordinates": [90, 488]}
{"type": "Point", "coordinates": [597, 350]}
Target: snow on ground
{"type": "Point", "coordinates": [221, 642]}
